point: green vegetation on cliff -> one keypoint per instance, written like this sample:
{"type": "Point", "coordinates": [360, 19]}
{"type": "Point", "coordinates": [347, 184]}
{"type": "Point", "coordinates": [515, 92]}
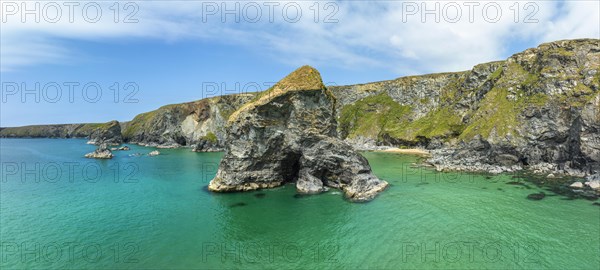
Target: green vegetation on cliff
{"type": "Point", "coordinates": [371, 116]}
{"type": "Point", "coordinates": [138, 123]}
{"type": "Point", "coordinates": [211, 137]}
{"type": "Point", "coordinates": [57, 131]}
{"type": "Point", "coordinates": [489, 101]}
{"type": "Point", "coordinates": [441, 123]}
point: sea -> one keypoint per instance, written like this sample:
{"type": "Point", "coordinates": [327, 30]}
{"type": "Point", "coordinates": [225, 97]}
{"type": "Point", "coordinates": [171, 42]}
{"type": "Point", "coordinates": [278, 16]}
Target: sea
{"type": "Point", "coordinates": [59, 210]}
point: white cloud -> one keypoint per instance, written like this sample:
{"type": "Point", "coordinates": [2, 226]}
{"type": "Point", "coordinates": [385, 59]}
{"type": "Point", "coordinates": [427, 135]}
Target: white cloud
{"type": "Point", "coordinates": [575, 20]}
{"type": "Point", "coordinates": [367, 34]}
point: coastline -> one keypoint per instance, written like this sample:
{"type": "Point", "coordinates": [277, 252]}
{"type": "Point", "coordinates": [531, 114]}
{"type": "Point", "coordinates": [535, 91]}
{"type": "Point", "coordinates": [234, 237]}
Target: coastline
{"type": "Point", "coordinates": [408, 151]}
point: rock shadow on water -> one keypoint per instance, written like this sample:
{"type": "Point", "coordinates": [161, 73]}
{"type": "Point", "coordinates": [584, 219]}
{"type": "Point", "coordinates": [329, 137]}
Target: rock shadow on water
{"type": "Point", "coordinates": [238, 204]}
{"type": "Point", "coordinates": [301, 195]}
{"type": "Point", "coordinates": [518, 183]}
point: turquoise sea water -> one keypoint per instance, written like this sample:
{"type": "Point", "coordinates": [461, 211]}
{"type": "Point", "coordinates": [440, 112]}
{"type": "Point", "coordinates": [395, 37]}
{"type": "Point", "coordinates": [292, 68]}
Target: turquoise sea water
{"type": "Point", "coordinates": [59, 210]}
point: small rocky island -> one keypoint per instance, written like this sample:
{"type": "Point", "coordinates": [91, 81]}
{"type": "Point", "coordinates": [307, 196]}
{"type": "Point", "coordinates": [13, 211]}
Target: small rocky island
{"type": "Point", "coordinates": [102, 152]}
{"type": "Point", "coordinates": [289, 134]}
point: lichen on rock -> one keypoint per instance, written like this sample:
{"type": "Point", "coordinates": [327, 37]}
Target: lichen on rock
{"type": "Point", "coordinates": [289, 134]}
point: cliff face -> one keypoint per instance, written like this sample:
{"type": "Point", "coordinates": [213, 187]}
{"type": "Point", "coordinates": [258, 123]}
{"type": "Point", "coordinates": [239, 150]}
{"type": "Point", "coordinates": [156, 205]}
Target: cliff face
{"type": "Point", "coordinates": [288, 134]}
{"type": "Point", "coordinates": [538, 108]}
{"type": "Point", "coordinates": [97, 132]}
{"type": "Point", "coordinates": [200, 123]}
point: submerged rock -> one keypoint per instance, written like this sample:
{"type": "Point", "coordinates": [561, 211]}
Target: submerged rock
{"type": "Point", "coordinates": [536, 196]}
{"type": "Point", "coordinates": [289, 134]}
{"type": "Point", "coordinates": [102, 152]}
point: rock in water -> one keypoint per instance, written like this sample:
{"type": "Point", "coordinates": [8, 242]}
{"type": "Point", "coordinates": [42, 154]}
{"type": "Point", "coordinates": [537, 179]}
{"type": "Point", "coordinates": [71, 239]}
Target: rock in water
{"type": "Point", "coordinates": [289, 134]}
{"type": "Point", "coordinates": [593, 181]}
{"type": "Point", "coordinates": [536, 196]}
{"type": "Point", "coordinates": [154, 153]}
{"type": "Point", "coordinates": [101, 152]}
{"type": "Point", "coordinates": [576, 185]}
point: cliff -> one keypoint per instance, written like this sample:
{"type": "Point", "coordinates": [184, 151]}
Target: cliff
{"type": "Point", "coordinates": [538, 109]}
{"type": "Point", "coordinates": [109, 132]}
{"type": "Point", "coordinates": [200, 123]}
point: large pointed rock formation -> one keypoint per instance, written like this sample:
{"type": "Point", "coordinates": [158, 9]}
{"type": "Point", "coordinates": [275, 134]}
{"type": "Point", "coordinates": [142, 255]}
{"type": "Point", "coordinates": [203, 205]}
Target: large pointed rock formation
{"type": "Point", "coordinates": [288, 134]}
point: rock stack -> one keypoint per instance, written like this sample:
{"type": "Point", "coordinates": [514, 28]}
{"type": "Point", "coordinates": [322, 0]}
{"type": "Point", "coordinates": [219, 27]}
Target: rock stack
{"type": "Point", "coordinates": [288, 134]}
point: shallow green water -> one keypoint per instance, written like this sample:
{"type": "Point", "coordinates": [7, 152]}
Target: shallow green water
{"type": "Point", "coordinates": [154, 212]}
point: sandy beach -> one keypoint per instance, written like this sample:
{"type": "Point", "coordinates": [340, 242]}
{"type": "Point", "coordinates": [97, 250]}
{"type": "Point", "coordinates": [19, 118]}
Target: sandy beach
{"type": "Point", "coordinates": [412, 151]}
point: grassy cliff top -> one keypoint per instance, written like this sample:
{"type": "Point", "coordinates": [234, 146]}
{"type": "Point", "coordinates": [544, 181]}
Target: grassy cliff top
{"type": "Point", "coordinates": [56, 130]}
{"type": "Point", "coordinates": [305, 78]}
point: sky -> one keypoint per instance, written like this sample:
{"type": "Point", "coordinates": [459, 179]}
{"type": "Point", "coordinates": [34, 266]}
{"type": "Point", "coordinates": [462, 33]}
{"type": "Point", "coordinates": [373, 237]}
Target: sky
{"type": "Point", "coordinates": [96, 61]}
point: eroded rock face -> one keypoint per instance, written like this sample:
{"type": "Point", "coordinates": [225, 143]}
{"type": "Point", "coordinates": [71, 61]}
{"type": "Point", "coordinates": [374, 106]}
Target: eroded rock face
{"type": "Point", "coordinates": [109, 133]}
{"type": "Point", "coordinates": [199, 124]}
{"type": "Point", "coordinates": [288, 134]}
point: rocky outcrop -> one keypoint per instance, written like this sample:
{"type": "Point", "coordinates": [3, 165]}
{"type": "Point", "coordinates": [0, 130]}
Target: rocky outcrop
{"type": "Point", "coordinates": [208, 143]}
{"type": "Point", "coordinates": [109, 133]}
{"type": "Point", "coordinates": [102, 152]}
{"type": "Point", "coordinates": [288, 134]}
{"type": "Point", "coordinates": [539, 109]}
{"type": "Point", "coordinates": [199, 124]}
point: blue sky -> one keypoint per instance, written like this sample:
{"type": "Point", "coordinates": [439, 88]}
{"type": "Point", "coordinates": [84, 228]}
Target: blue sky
{"type": "Point", "coordinates": [177, 49]}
